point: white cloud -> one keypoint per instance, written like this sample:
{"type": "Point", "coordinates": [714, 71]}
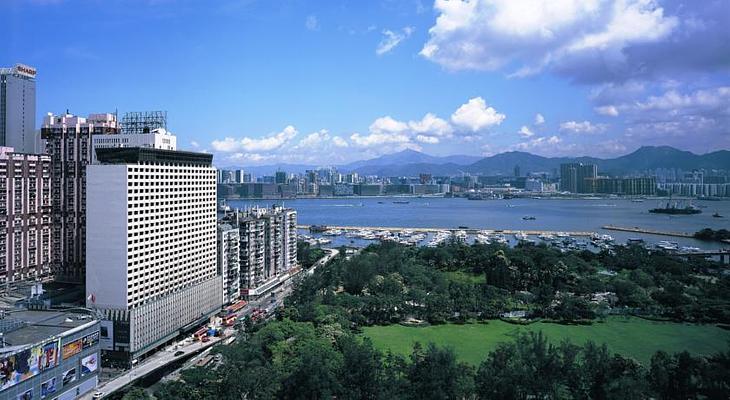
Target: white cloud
{"type": "Point", "coordinates": [427, 139]}
{"type": "Point", "coordinates": [525, 132]}
{"type": "Point", "coordinates": [475, 115]}
{"type": "Point", "coordinates": [194, 144]}
{"type": "Point", "coordinates": [673, 100]}
{"type": "Point", "coordinates": [387, 124]}
{"type": "Point", "coordinates": [339, 142]}
{"type": "Point", "coordinates": [539, 119]}
{"type": "Point", "coordinates": [432, 125]}
{"type": "Point", "coordinates": [582, 127]}
{"type": "Point", "coordinates": [378, 139]}
{"type": "Point", "coordinates": [609, 110]}
{"type": "Point", "coordinates": [538, 34]}
{"type": "Point", "coordinates": [542, 144]}
{"type": "Point", "coordinates": [314, 139]}
{"type": "Point", "coordinates": [312, 23]}
{"type": "Point", "coordinates": [392, 39]}
{"type": "Point", "coordinates": [247, 144]}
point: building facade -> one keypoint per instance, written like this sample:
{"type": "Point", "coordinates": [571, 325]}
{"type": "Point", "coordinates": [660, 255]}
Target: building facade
{"type": "Point", "coordinates": [68, 140]}
{"type": "Point", "coordinates": [17, 109]}
{"type": "Point", "coordinates": [156, 139]}
{"type": "Point", "coordinates": [25, 215]}
{"type": "Point", "coordinates": [623, 186]}
{"type": "Point", "coordinates": [228, 265]}
{"type": "Point", "coordinates": [151, 246]}
{"type": "Point", "coordinates": [268, 247]}
{"type": "Point", "coordinates": [49, 355]}
{"type": "Point", "coordinates": [573, 177]}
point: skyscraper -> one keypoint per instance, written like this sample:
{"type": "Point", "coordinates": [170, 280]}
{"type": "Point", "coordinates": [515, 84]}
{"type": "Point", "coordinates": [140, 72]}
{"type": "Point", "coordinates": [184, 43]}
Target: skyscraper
{"type": "Point", "coordinates": [68, 140]}
{"type": "Point", "coordinates": [573, 177]}
{"type": "Point", "coordinates": [25, 203]}
{"type": "Point", "coordinates": [151, 246]}
{"type": "Point", "coordinates": [228, 265]}
{"type": "Point", "coordinates": [17, 109]}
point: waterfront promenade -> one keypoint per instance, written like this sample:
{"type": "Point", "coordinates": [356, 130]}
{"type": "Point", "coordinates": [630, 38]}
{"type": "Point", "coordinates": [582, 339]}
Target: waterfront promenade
{"type": "Point", "coordinates": [467, 230]}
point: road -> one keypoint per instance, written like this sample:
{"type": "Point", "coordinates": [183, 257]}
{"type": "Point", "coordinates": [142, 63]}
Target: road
{"type": "Point", "coordinates": [189, 346]}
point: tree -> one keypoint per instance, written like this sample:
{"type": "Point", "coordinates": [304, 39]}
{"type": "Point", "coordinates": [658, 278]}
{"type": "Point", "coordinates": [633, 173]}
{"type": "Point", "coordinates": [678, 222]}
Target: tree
{"type": "Point", "coordinates": [435, 374]}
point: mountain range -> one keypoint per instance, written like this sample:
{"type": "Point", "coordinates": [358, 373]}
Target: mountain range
{"type": "Point", "coordinates": [412, 163]}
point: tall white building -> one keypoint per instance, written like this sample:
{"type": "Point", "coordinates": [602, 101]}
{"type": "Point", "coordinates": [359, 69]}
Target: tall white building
{"type": "Point", "coordinates": [17, 109]}
{"type": "Point", "coordinates": [151, 246]}
{"type": "Point", "coordinates": [228, 266]}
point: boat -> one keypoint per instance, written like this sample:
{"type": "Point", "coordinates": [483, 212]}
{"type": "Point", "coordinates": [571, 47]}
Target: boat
{"type": "Point", "coordinates": [717, 215]}
{"type": "Point", "coordinates": [637, 200]}
{"type": "Point", "coordinates": [521, 236]}
{"type": "Point", "coordinates": [529, 218]}
{"type": "Point", "coordinates": [401, 202]}
{"type": "Point", "coordinates": [674, 209]}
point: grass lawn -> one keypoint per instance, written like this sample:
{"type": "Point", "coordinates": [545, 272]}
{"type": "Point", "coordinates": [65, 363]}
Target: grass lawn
{"type": "Point", "coordinates": [633, 337]}
{"type": "Point", "coordinates": [465, 277]}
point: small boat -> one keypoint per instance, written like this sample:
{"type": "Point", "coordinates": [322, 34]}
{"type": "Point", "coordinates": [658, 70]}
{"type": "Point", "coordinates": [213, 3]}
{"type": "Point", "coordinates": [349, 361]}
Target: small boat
{"type": "Point", "coordinates": [223, 207]}
{"type": "Point", "coordinates": [529, 218]}
{"type": "Point", "coordinates": [401, 202]}
{"type": "Point", "coordinates": [717, 215]}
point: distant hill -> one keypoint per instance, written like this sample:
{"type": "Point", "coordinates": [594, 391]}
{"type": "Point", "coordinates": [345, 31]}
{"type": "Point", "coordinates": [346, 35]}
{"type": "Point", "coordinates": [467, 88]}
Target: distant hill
{"type": "Point", "coordinates": [411, 163]}
{"type": "Point", "coordinates": [409, 157]}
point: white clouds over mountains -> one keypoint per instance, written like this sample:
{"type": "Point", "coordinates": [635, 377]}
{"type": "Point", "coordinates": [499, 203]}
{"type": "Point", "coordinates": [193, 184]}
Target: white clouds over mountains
{"type": "Point", "coordinates": [384, 134]}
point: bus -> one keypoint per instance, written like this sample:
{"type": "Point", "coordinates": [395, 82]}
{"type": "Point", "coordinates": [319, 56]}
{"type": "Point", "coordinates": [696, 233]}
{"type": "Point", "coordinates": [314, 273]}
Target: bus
{"type": "Point", "coordinates": [201, 334]}
{"type": "Point", "coordinates": [230, 320]}
{"type": "Point", "coordinates": [233, 308]}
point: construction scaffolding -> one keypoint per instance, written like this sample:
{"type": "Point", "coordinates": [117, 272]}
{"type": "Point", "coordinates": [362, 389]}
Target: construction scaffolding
{"type": "Point", "coordinates": [143, 121]}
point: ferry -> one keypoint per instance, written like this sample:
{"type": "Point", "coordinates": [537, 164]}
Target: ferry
{"type": "Point", "coordinates": [401, 202]}
{"type": "Point", "coordinates": [529, 218]}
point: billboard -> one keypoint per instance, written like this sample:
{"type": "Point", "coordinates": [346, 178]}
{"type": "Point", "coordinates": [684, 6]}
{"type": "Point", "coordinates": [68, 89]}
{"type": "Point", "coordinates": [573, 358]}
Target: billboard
{"type": "Point", "coordinates": [48, 387]}
{"type": "Point", "coordinates": [89, 364]}
{"type": "Point", "coordinates": [69, 376]}
{"type": "Point", "coordinates": [28, 363]}
{"type": "Point", "coordinates": [71, 348]}
{"type": "Point", "coordinates": [91, 339]}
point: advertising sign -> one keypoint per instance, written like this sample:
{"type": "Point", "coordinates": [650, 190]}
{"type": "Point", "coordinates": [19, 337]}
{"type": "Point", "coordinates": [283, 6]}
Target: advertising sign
{"type": "Point", "coordinates": [69, 376]}
{"type": "Point", "coordinates": [72, 348]}
{"type": "Point", "coordinates": [91, 339]}
{"type": "Point", "coordinates": [89, 364]}
{"type": "Point", "coordinates": [27, 363]}
{"type": "Point", "coordinates": [48, 387]}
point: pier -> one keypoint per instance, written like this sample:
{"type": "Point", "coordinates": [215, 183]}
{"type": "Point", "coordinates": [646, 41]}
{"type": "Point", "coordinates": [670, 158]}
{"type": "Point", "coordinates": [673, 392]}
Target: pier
{"type": "Point", "coordinates": [636, 229]}
{"type": "Point", "coordinates": [434, 230]}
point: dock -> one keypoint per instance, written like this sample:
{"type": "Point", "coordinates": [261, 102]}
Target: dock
{"type": "Point", "coordinates": [636, 229]}
{"type": "Point", "coordinates": [467, 230]}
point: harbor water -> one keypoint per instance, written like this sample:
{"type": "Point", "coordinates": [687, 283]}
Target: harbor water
{"type": "Point", "coordinates": [515, 214]}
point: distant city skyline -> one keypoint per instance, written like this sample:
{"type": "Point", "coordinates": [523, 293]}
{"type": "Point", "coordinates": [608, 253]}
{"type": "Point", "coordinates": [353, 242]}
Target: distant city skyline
{"type": "Point", "coordinates": [258, 83]}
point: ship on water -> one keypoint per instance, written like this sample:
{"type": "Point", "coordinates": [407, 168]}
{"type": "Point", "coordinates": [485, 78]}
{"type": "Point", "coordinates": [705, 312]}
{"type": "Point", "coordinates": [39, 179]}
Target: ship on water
{"type": "Point", "coordinates": [676, 209]}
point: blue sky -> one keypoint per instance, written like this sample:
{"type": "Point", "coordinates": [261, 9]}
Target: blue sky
{"type": "Point", "coordinates": [261, 82]}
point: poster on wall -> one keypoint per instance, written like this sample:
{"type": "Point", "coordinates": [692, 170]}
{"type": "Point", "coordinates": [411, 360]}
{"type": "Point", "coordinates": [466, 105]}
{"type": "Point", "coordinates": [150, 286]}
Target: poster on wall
{"type": "Point", "coordinates": [89, 364]}
{"type": "Point", "coordinates": [91, 339]}
{"type": "Point", "coordinates": [27, 395]}
{"type": "Point", "coordinates": [71, 348]}
{"type": "Point", "coordinates": [50, 356]}
{"type": "Point", "coordinates": [27, 363]}
{"type": "Point", "coordinates": [69, 376]}
{"type": "Point", "coordinates": [48, 387]}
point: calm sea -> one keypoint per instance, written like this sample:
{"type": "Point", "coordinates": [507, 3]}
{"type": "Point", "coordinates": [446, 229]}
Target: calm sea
{"type": "Point", "coordinates": [553, 215]}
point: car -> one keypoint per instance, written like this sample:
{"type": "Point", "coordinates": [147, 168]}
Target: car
{"type": "Point", "coordinates": [179, 353]}
{"type": "Point", "coordinates": [97, 395]}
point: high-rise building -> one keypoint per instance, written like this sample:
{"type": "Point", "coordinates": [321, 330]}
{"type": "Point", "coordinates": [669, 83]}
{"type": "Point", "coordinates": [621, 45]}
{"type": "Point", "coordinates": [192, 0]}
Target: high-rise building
{"type": "Point", "coordinates": [268, 247]}
{"type": "Point", "coordinates": [157, 138]}
{"type": "Point", "coordinates": [281, 177]}
{"type": "Point", "coordinates": [151, 266]}
{"type": "Point", "coordinates": [228, 265]}
{"type": "Point", "coordinates": [68, 140]}
{"type": "Point", "coordinates": [573, 177]}
{"type": "Point", "coordinates": [25, 211]}
{"type": "Point", "coordinates": [17, 109]}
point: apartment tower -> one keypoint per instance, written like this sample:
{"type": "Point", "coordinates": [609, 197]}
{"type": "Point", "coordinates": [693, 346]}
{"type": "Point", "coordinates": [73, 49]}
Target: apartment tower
{"type": "Point", "coordinates": [25, 210]}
